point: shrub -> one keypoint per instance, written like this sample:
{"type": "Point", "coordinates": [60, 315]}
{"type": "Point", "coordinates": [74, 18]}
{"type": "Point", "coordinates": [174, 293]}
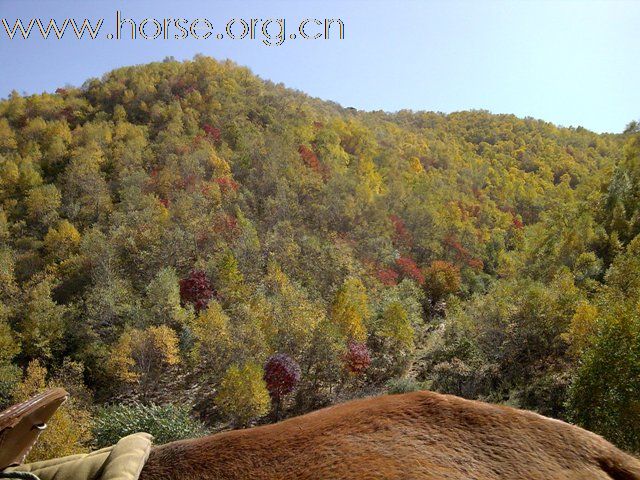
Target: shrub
{"type": "Point", "coordinates": [404, 385]}
{"type": "Point", "coordinates": [165, 422]}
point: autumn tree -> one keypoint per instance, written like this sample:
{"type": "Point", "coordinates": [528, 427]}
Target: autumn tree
{"type": "Point", "coordinates": [357, 357]}
{"type": "Point", "coordinates": [243, 394]}
{"type": "Point", "coordinates": [350, 310]}
{"type": "Point", "coordinates": [196, 289]}
{"type": "Point", "coordinates": [213, 341]}
{"type": "Point", "coordinates": [603, 395]}
{"type": "Point", "coordinates": [62, 241]}
{"type": "Point", "coordinates": [142, 356]}
{"type": "Point", "coordinates": [162, 299]}
{"type": "Point", "coordinates": [282, 375]}
{"type": "Point", "coordinates": [9, 373]}
{"type": "Point", "coordinates": [441, 279]}
{"type": "Point", "coordinates": [42, 326]}
{"type": "Point", "coordinates": [393, 342]}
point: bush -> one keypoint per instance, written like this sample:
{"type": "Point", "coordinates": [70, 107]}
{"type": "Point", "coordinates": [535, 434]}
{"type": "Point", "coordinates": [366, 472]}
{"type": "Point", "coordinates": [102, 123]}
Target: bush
{"type": "Point", "coordinates": [165, 422]}
{"type": "Point", "coordinates": [404, 385]}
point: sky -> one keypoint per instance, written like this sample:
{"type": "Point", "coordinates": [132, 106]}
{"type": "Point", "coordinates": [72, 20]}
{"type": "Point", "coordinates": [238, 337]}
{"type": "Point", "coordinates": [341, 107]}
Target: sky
{"type": "Point", "coordinates": [573, 63]}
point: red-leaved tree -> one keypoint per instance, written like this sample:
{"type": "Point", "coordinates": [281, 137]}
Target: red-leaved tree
{"type": "Point", "coordinates": [357, 358]}
{"type": "Point", "coordinates": [196, 289]}
{"type": "Point", "coordinates": [282, 375]}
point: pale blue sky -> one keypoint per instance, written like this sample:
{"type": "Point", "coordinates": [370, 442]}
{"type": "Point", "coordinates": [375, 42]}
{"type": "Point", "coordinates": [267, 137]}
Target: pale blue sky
{"type": "Point", "coordinates": [568, 62]}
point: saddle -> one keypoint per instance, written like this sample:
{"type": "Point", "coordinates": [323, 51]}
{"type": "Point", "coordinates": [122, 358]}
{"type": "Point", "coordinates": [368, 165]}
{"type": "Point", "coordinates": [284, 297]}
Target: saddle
{"type": "Point", "coordinates": [21, 425]}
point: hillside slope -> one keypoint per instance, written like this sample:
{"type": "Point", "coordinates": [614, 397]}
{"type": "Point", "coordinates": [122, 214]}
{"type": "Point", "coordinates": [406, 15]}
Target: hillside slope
{"type": "Point", "coordinates": [169, 227]}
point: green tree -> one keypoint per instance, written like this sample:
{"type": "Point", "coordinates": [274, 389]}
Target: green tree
{"type": "Point", "coordinates": [162, 301]}
{"type": "Point", "coordinates": [605, 391]}
{"type": "Point", "coordinates": [42, 326]}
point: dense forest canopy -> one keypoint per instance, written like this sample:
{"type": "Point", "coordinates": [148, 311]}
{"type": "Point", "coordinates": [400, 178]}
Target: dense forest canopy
{"type": "Point", "coordinates": [187, 233]}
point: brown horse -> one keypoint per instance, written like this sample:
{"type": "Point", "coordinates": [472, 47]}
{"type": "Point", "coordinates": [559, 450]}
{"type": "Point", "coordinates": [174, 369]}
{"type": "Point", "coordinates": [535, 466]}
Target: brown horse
{"type": "Point", "coordinates": [419, 435]}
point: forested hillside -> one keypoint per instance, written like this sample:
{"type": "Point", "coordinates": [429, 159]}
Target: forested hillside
{"type": "Point", "coordinates": [187, 233]}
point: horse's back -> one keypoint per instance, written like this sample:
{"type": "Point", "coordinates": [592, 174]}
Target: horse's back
{"type": "Point", "coordinates": [420, 435]}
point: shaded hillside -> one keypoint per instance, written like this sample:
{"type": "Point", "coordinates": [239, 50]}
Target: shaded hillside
{"type": "Point", "coordinates": [169, 227]}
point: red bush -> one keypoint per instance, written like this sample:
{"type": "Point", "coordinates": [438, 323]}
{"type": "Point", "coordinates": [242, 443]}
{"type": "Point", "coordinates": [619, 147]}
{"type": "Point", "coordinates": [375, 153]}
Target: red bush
{"type": "Point", "coordinates": [517, 223]}
{"type": "Point", "coordinates": [357, 359]}
{"type": "Point", "coordinates": [309, 158]}
{"type": "Point", "coordinates": [402, 236]}
{"type": "Point", "coordinates": [214, 134]}
{"type": "Point", "coordinates": [196, 289]}
{"type": "Point", "coordinates": [227, 184]}
{"type": "Point", "coordinates": [409, 268]}
{"type": "Point", "coordinates": [387, 276]}
{"type": "Point", "coordinates": [282, 375]}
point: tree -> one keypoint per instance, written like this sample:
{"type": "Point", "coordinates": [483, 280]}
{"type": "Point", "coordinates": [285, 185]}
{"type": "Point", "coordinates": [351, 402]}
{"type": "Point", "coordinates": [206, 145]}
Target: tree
{"type": "Point", "coordinates": [350, 310]}
{"type": "Point", "coordinates": [357, 358]}
{"type": "Point", "coordinates": [42, 326]}
{"type": "Point", "coordinates": [290, 316]}
{"type": "Point", "coordinates": [62, 241]}
{"type": "Point", "coordinates": [142, 356]}
{"type": "Point", "coordinates": [409, 269]}
{"type": "Point", "coordinates": [395, 325]}
{"type": "Point", "coordinates": [162, 299]}
{"type": "Point", "coordinates": [9, 373]}
{"type": "Point", "coordinates": [282, 375]}
{"type": "Point", "coordinates": [243, 394]}
{"type": "Point", "coordinates": [213, 340]}
{"type": "Point", "coordinates": [42, 204]}
{"type": "Point", "coordinates": [441, 279]}
{"type": "Point", "coordinates": [603, 396]}
{"type": "Point", "coordinates": [228, 278]}
{"type": "Point", "coordinates": [86, 193]}
{"type": "Point", "coordinates": [393, 342]}
{"type": "Point", "coordinates": [196, 289]}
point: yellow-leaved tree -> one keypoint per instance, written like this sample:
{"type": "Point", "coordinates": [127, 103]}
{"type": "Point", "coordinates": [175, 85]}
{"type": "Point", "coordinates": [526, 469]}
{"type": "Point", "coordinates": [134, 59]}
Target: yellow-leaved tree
{"type": "Point", "coordinates": [243, 393]}
{"type": "Point", "coordinates": [350, 311]}
{"type": "Point", "coordinates": [142, 356]}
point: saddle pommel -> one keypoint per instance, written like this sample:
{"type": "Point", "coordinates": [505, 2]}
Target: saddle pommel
{"type": "Point", "coordinates": [21, 424]}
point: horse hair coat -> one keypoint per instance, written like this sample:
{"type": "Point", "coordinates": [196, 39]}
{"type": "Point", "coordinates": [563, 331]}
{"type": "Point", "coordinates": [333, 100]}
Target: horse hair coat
{"type": "Point", "coordinates": [415, 436]}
